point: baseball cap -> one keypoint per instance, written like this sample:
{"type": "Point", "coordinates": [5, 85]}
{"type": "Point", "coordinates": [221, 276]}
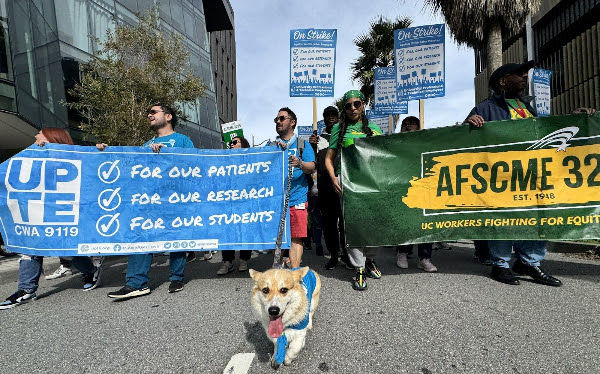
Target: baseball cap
{"type": "Point", "coordinates": [331, 109]}
{"type": "Point", "coordinates": [506, 69]}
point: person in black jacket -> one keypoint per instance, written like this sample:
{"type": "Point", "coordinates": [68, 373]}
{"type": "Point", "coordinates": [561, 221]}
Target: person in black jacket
{"type": "Point", "coordinates": [508, 82]}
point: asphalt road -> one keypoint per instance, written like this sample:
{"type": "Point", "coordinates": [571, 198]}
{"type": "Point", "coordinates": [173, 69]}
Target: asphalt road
{"type": "Point", "coordinates": [455, 321]}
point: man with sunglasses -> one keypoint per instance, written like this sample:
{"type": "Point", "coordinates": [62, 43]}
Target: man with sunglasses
{"type": "Point", "coordinates": [163, 120]}
{"type": "Point", "coordinates": [303, 163]}
{"type": "Point", "coordinates": [508, 82]}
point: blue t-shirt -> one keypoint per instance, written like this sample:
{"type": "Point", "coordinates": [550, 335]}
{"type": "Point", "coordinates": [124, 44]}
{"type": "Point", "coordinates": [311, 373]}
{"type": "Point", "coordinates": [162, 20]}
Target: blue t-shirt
{"type": "Point", "coordinates": [173, 140]}
{"type": "Point", "coordinates": [299, 189]}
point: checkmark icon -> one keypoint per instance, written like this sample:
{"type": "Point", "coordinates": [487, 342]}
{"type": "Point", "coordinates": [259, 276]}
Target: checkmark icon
{"type": "Point", "coordinates": [108, 225]}
{"type": "Point", "coordinates": [109, 172]}
{"type": "Point", "coordinates": [109, 199]}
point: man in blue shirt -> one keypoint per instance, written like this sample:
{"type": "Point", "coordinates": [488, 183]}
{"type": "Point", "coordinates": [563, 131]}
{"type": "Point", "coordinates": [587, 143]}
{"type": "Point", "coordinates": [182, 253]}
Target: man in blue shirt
{"type": "Point", "coordinates": [303, 163]}
{"type": "Point", "coordinates": [163, 120]}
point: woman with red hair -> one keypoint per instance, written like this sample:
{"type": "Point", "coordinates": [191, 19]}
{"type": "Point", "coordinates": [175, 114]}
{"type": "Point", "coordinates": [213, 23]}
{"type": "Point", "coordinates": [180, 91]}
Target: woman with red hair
{"type": "Point", "coordinates": [30, 267]}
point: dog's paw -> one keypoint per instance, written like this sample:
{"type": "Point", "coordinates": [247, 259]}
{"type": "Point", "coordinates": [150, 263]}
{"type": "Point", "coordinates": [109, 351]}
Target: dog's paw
{"type": "Point", "coordinates": [274, 363]}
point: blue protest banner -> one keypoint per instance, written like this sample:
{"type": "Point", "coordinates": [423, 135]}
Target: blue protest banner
{"type": "Point", "coordinates": [312, 62]}
{"type": "Point", "coordinates": [541, 91]}
{"type": "Point", "coordinates": [385, 93]}
{"type": "Point", "coordinates": [419, 53]}
{"type": "Point", "coordinates": [62, 200]}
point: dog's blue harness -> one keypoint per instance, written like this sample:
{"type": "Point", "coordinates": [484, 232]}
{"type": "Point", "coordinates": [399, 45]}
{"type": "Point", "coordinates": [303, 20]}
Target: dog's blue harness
{"type": "Point", "coordinates": [309, 282]}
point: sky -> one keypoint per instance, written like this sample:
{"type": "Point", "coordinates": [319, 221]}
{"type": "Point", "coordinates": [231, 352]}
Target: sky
{"type": "Point", "coordinates": [262, 32]}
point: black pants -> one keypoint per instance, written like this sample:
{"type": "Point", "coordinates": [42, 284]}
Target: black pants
{"type": "Point", "coordinates": [333, 222]}
{"type": "Point", "coordinates": [230, 255]}
{"type": "Point", "coordinates": [424, 249]}
{"type": "Point", "coordinates": [481, 249]}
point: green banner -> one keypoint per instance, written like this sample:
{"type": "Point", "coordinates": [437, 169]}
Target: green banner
{"type": "Point", "coordinates": [535, 178]}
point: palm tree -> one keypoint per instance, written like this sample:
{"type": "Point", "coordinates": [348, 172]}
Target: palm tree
{"type": "Point", "coordinates": [480, 23]}
{"type": "Point", "coordinates": [376, 48]}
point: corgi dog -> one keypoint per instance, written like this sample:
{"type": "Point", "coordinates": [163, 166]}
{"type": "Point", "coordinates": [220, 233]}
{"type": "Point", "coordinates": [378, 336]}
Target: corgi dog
{"type": "Point", "coordinates": [285, 301]}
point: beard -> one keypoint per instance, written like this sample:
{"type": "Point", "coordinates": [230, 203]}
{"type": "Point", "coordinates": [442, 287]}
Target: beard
{"type": "Point", "coordinates": [158, 125]}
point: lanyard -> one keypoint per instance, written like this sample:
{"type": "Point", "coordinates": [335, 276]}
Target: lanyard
{"type": "Point", "coordinates": [521, 111]}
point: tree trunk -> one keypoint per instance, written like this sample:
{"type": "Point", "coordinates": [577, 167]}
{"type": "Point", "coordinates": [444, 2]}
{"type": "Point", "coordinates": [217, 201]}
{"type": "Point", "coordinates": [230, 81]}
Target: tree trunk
{"type": "Point", "coordinates": [494, 49]}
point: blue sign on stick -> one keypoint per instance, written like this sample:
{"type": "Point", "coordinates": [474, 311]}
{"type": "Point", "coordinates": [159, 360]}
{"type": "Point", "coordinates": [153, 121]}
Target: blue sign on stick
{"type": "Point", "coordinates": [419, 53]}
{"type": "Point", "coordinates": [541, 90]}
{"type": "Point", "coordinates": [63, 200]}
{"type": "Point", "coordinates": [312, 62]}
{"type": "Point", "coordinates": [385, 93]}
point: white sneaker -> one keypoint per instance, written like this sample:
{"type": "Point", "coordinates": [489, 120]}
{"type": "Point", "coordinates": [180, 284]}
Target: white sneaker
{"type": "Point", "coordinates": [243, 265]}
{"type": "Point", "coordinates": [227, 267]}
{"type": "Point", "coordinates": [426, 265]}
{"type": "Point", "coordinates": [402, 260]}
{"type": "Point", "coordinates": [60, 272]}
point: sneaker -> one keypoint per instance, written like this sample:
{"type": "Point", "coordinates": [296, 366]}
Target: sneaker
{"type": "Point", "coordinates": [243, 265]}
{"type": "Point", "coordinates": [227, 267]}
{"type": "Point", "coordinates": [18, 298]}
{"type": "Point", "coordinates": [402, 260]}
{"type": "Point", "coordinates": [360, 281]}
{"type": "Point", "coordinates": [60, 272]}
{"type": "Point", "coordinates": [426, 265]}
{"type": "Point", "coordinates": [175, 286]}
{"type": "Point", "coordinates": [128, 292]}
{"type": "Point", "coordinates": [207, 255]}
{"type": "Point", "coordinates": [191, 257]}
{"type": "Point", "coordinates": [91, 281]}
{"type": "Point", "coordinates": [372, 270]}
{"type": "Point", "coordinates": [332, 263]}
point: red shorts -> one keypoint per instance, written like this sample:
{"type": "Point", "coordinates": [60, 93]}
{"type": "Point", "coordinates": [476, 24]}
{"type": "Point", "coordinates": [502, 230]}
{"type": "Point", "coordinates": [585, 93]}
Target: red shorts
{"type": "Point", "coordinates": [299, 221]}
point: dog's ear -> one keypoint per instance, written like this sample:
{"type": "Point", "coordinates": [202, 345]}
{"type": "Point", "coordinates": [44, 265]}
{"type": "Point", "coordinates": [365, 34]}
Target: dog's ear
{"type": "Point", "coordinates": [301, 273]}
{"type": "Point", "coordinates": [254, 274]}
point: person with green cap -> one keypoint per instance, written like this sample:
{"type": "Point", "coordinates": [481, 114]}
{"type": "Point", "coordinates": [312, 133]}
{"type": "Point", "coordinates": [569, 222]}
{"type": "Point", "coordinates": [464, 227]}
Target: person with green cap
{"type": "Point", "coordinates": [353, 125]}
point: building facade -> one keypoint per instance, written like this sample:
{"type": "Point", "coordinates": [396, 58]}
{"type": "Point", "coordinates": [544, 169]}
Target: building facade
{"type": "Point", "coordinates": [44, 42]}
{"type": "Point", "coordinates": [566, 40]}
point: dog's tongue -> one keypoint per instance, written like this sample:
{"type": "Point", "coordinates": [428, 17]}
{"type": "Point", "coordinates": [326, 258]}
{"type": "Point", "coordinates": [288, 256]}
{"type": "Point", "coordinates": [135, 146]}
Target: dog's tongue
{"type": "Point", "coordinates": [275, 327]}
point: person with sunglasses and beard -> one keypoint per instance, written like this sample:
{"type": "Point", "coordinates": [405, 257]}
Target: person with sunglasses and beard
{"type": "Point", "coordinates": [229, 255]}
{"type": "Point", "coordinates": [163, 120]}
{"type": "Point", "coordinates": [353, 125]}
{"type": "Point", "coordinates": [302, 160]}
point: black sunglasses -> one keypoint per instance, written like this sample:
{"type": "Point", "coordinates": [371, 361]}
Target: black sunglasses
{"type": "Point", "coordinates": [280, 118]}
{"type": "Point", "coordinates": [356, 104]}
{"type": "Point", "coordinates": [153, 111]}
{"type": "Point", "coordinates": [234, 142]}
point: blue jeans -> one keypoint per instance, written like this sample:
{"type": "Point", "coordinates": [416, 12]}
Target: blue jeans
{"type": "Point", "coordinates": [31, 267]}
{"type": "Point", "coordinates": [530, 252]}
{"type": "Point", "coordinates": [138, 267]}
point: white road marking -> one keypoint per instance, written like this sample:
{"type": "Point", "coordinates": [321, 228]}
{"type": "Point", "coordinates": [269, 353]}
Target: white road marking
{"type": "Point", "coordinates": [239, 363]}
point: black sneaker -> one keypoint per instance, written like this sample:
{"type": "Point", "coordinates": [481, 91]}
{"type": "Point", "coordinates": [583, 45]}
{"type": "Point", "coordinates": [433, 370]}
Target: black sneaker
{"type": "Point", "coordinates": [331, 264]}
{"type": "Point", "coordinates": [18, 298]}
{"type": "Point", "coordinates": [128, 292]}
{"type": "Point", "coordinates": [175, 286]}
{"type": "Point", "coordinates": [92, 280]}
{"type": "Point", "coordinates": [359, 282]}
{"type": "Point", "coordinates": [504, 275]}
{"type": "Point", "coordinates": [371, 269]}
